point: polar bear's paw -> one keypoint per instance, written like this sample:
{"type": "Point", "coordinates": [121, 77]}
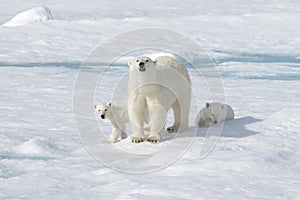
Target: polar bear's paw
{"type": "Point", "coordinates": [137, 139]}
{"type": "Point", "coordinates": [112, 140]}
{"type": "Point", "coordinates": [204, 123]}
{"type": "Point", "coordinates": [172, 129]}
{"type": "Point", "coordinates": [154, 138]}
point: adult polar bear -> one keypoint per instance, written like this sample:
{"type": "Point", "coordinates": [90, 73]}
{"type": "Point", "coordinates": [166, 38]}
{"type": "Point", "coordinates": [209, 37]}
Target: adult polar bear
{"type": "Point", "coordinates": [158, 86]}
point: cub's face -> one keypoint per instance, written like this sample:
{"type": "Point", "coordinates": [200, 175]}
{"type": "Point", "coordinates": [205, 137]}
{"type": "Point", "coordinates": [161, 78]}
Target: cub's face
{"type": "Point", "coordinates": [104, 110]}
{"type": "Point", "coordinates": [214, 111]}
{"type": "Point", "coordinates": [142, 65]}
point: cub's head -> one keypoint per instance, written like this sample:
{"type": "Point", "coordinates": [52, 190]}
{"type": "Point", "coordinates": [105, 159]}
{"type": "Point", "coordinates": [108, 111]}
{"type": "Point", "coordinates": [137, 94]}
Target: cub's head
{"type": "Point", "coordinates": [104, 110]}
{"type": "Point", "coordinates": [142, 64]}
{"type": "Point", "coordinates": [214, 111]}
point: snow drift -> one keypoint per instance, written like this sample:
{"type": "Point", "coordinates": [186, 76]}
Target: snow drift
{"type": "Point", "coordinates": [37, 147]}
{"type": "Point", "coordinates": [34, 15]}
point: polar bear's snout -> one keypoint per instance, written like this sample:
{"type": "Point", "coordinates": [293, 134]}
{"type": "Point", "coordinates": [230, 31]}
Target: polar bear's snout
{"type": "Point", "coordinates": [142, 67]}
{"type": "Point", "coordinates": [102, 116]}
{"type": "Point", "coordinates": [213, 119]}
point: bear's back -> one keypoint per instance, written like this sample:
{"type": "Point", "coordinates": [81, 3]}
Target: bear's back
{"type": "Point", "coordinates": [166, 62]}
{"type": "Point", "coordinates": [229, 112]}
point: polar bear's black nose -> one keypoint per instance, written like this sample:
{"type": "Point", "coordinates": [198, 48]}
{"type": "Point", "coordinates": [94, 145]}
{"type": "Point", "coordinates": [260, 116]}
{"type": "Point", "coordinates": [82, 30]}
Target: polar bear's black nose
{"type": "Point", "coordinates": [142, 67]}
{"type": "Point", "coordinates": [141, 64]}
{"type": "Point", "coordinates": [103, 116]}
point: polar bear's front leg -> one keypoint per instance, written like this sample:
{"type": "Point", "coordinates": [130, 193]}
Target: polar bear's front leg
{"type": "Point", "coordinates": [203, 123]}
{"type": "Point", "coordinates": [136, 112]}
{"type": "Point", "coordinates": [158, 116]}
{"type": "Point", "coordinates": [115, 135]}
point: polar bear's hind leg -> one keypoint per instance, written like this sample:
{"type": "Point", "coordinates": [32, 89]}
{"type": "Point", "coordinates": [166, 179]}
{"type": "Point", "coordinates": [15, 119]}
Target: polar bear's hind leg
{"type": "Point", "coordinates": [185, 103]}
{"type": "Point", "coordinates": [177, 114]}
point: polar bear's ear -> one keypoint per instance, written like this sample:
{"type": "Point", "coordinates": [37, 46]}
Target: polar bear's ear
{"type": "Point", "coordinates": [95, 106]}
{"type": "Point", "coordinates": [207, 104]}
{"type": "Point", "coordinates": [109, 104]}
{"type": "Point", "coordinates": [130, 63]}
{"type": "Point", "coordinates": [222, 107]}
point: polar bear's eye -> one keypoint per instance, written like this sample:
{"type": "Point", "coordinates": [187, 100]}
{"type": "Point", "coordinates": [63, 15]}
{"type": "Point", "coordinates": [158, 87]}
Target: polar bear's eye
{"type": "Point", "coordinates": [137, 60]}
{"type": "Point", "coordinates": [147, 60]}
{"type": "Point", "coordinates": [105, 110]}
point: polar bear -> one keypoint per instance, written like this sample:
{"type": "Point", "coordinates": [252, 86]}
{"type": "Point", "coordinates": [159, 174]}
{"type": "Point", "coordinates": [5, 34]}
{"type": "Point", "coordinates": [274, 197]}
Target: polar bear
{"type": "Point", "coordinates": [117, 113]}
{"type": "Point", "coordinates": [214, 113]}
{"type": "Point", "coordinates": [106, 111]}
{"type": "Point", "coordinates": [158, 86]}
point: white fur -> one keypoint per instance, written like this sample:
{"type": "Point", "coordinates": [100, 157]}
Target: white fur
{"type": "Point", "coordinates": [214, 113]}
{"type": "Point", "coordinates": [158, 86]}
{"type": "Point", "coordinates": [118, 115]}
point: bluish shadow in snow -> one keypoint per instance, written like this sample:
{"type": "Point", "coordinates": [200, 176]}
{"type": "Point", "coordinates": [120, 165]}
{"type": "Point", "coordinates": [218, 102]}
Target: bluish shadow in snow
{"type": "Point", "coordinates": [41, 64]}
{"type": "Point", "coordinates": [13, 156]}
{"type": "Point", "coordinates": [74, 64]}
{"type": "Point", "coordinates": [255, 57]}
{"type": "Point", "coordinates": [234, 128]}
{"type": "Point", "coordinates": [281, 77]}
{"type": "Point", "coordinates": [9, 172]}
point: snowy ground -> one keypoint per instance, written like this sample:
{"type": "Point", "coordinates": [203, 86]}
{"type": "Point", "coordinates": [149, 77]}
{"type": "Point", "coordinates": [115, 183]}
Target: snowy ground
{"type": "Point", "coordinates": [256, 47]}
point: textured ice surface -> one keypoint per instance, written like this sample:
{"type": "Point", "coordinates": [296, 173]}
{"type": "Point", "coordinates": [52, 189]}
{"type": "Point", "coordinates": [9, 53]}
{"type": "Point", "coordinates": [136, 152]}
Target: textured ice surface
{"type": "Point", "coordinates": [256, 46]}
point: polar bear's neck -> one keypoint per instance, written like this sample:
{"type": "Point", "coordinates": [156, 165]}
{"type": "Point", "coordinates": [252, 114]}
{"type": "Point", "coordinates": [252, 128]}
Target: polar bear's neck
{"type": "Point", "coordinates": [143, 82]}
{"type": "Point", "coordinates": [145, 78]}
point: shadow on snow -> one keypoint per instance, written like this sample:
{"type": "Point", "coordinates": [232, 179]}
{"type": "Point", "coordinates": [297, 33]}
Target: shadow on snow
{"type": "Point", "coordinates": [234, 128]}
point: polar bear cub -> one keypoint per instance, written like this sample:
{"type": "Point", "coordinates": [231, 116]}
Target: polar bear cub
{"type": "Point", "coordinates": [214, 113]}
{"type": "Point", "coordinates": [118, 115]}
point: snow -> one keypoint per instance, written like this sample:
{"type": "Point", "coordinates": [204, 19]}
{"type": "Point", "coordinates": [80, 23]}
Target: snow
{"type": "Point", "coordinates": [256, 49]}
{"type": "Point", "coordinates": [34, 15]}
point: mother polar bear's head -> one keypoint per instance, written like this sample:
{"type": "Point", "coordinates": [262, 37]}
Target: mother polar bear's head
{"type": "Point", "coordinates": [142, 65]}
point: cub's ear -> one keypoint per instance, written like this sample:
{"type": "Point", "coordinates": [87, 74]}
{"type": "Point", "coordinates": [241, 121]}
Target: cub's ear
{"type": "Point", "coordinates": [130, 63]}
{"type": "Point", "coordinates": [95, 105]}
{"type": "Point", "coordinates": [207, 104]}
{"type": "Point", "coordinates": [109, 104]}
